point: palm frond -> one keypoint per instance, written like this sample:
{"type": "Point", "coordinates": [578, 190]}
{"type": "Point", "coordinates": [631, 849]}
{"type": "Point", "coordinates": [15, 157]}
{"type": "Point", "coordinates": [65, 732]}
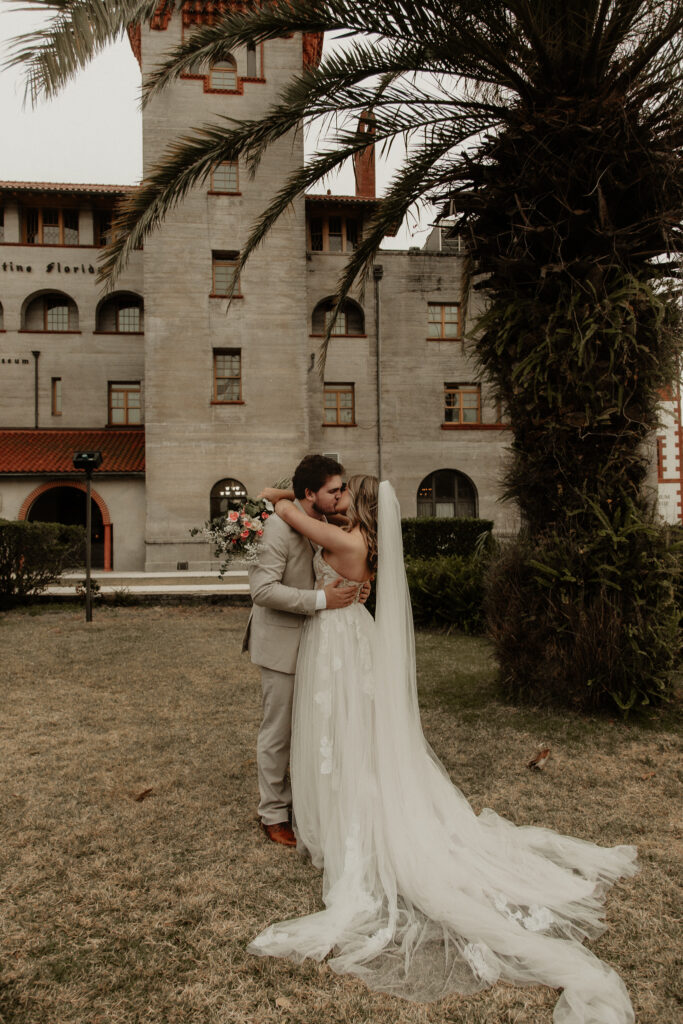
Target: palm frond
{"type": "Point", "coordinates": [76, 33]}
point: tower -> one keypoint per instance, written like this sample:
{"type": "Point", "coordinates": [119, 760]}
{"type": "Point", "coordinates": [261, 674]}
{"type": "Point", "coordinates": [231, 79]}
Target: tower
{"type": "Point", "coordinates": [225, 388]}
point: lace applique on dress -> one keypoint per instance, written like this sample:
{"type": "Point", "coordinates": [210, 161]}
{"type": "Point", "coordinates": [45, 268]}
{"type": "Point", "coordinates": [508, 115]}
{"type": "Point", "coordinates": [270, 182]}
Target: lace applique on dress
{"type": "Point", "coordinates": [475, 954]}
{"type": "Point", "coordinates": [326, 756]}
{"type": "Point", "coordinates": [323, 699]}
{"type": "Point", "coordinates": [538, 919]}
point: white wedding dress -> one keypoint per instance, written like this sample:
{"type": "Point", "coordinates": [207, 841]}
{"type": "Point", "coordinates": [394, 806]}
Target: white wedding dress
{"type": "Point", "coordinates": [422, 896]}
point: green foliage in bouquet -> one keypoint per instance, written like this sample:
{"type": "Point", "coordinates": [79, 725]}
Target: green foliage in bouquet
{"type": "Point", "coordinates": [33, 555]}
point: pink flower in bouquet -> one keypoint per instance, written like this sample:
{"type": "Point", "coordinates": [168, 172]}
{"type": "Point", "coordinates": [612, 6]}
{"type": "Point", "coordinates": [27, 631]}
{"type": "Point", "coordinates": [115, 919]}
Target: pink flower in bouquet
{"type": "Point", "coordinates": [233, 516]}
{"type": "Point", "coordinates": [260, 533]}
{"type": "Point", "coordinates": [264, 515]}
{"type": "Point", "coordinates": [245, 535]}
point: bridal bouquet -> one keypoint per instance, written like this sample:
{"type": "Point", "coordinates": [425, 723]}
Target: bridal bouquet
{"type": "Point", "coordinates": [237, 533]}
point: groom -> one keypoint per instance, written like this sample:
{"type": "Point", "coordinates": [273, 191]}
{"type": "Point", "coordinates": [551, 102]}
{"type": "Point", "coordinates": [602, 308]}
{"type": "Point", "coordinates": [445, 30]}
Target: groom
{"type": "Point", "coordinates": [281, 585]}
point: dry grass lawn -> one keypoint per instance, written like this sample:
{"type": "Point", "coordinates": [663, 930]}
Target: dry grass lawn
{"type": "Point", "coordinates": [118, 909]}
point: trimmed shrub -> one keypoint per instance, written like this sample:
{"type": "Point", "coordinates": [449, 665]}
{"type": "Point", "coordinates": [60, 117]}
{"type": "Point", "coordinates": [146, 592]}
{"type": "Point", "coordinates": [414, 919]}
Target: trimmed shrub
{"type": "Point", "coordinates": [587, 623]}
{"type": "Point", "coordinates": [431, 538]}
{"type": "Point", "coordinates": [33, 555]}
{"type": "Point", "coordinates": [447, 591]}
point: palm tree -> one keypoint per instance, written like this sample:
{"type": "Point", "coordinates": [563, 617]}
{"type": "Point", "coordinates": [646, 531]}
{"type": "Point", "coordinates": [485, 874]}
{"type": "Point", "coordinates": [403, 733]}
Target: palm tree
{"type": "Point", "coordinates": [554, 130]}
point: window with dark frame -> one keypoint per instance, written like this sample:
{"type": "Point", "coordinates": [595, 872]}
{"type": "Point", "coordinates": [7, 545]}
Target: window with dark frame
{"type": "Point", "coordinates": [444, 320]}
{"type": "Point", "coordinates": [339, 405]}
{"type": "Point", "coordinates": [333, 232]}
{"type": "Point", "coordinates": [462, 403]}
{"type": "Point", "coordinates": [49, 226]}
{"type": "Point", "coordinates": [251, 61]}
{"type": "Point", "coordinates": [56, 396]}
{"type": "Point", "coordinates": [222, 269]}
{"type": "Point", "coordinates": [224, 177]}
{"type": "Point", "coordinates": [227, 375]}
{"type": "Point", "coordinates": [125, 403]}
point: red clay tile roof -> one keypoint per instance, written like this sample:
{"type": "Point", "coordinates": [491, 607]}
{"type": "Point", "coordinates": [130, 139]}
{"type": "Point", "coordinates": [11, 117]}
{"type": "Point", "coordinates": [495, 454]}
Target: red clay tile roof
{"type": "Point", "coordinates": [65, 186]}
{"type": "Point", "coordinates": [315, 197]}
{"type": "Point", "coordinates": [51, 451]}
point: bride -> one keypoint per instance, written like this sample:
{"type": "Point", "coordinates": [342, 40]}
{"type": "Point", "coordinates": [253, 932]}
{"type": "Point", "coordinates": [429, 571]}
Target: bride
{"type": "Point", "coordinates": [422, 897]}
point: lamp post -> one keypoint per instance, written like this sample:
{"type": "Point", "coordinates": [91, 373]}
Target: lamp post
{"type": "Point", "coordinates": [88, 462]}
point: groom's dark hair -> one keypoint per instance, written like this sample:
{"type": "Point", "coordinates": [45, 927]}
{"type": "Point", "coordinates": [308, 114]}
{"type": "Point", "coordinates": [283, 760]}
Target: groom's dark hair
{"type": "Point", "coordinates": [312, 473]}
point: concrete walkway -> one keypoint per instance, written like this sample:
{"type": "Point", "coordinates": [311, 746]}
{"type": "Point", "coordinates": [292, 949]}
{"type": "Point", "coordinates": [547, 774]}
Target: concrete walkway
{"type": "Point", "coordinates": [189, 584]}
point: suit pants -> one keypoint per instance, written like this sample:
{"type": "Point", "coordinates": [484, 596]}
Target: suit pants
{"type": "Point", "coordinates": [272, 747]}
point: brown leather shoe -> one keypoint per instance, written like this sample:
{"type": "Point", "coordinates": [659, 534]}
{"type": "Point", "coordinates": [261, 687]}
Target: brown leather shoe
{"type": "Point", "coordinates": [281, 833]}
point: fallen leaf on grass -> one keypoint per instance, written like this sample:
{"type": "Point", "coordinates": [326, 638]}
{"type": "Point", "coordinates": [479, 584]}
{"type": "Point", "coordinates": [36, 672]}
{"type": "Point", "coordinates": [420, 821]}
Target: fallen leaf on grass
{"type": "Point", "coordinates": [283, 1003]}
{"type": "Point", "coordinates": [648, 775]}
{"type": "Point", "coordinates": [145, 793]}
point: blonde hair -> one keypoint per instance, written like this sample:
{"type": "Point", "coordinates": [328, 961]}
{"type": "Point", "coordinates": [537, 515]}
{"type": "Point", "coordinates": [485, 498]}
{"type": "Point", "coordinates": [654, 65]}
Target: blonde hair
{"type": "Point", "coordinates": [362, 512]}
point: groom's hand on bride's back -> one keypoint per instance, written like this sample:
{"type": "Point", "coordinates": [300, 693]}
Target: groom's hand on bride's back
{"type": "Point", "coordinates": [338, 596]}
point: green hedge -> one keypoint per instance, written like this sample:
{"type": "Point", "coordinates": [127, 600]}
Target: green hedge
{"type": "Point", "coordinates": [33, 555]}
{"type": "Point", "coordinates": [447, 591]}
{"type": "Point", "coordinates": [431, 538]}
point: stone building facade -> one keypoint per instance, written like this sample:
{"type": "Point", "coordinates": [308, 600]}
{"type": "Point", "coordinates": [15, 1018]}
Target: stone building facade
{"type": "Point", "coordinates": [224, 400]}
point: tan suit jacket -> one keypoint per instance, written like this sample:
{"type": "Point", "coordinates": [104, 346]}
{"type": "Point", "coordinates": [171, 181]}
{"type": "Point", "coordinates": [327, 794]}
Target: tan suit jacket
{"type": "Point", "coordinates": [281, 585]}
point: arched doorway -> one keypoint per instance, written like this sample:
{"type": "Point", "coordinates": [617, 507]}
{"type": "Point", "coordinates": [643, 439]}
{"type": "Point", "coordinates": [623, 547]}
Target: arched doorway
{"type": "Point", "coordinates": [65, 503]}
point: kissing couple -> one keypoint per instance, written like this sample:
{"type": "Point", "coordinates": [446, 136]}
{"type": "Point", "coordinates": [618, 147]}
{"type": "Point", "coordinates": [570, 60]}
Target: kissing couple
{"type": "Point", "coordinates": [422, 897]}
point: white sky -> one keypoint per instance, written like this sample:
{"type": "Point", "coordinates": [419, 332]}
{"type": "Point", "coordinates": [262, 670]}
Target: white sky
{"type": "Point", "coordinates": [92, 131]}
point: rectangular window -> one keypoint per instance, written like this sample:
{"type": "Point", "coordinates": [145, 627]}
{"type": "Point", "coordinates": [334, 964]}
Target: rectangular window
{"type": "Point", "coordinates": [224, 177]}
{"type": "Point", "coordinates": [227, 375]}
{"type": "Point", "coordinates": [462, 403]}
{"type": "Point", "coordinates": [316, 226]}
{"type": "Point", "coordinates": [56, 315]}
{"type": "Point", "coordinates": [128, 319]}
{"type": "Point", "coordinates": [56, 396]}
{"type": "Point", "coordinates": [49, 226]}
{"type": "Point", "coordinates": [339, 326]}
{"type": "Point", "coordinates": [51, 232]}
{"type": "Point", "coordinates": [104, 234]}
{"type": "Point", "coordinates": [251, 61]}
{"type": "Point", "coordinates": [333, 233]}
{"type": "Point", "coordinates": [223, 268]}
{"type": "Point", "coordinates": [125, 403]}
{"type": "Point", "coordinates": [444, 320]}
{"type": "Point", "coordinates": [2, 224]}
{"type": "Point", "coordinates": [339, 405]}
{"type": "Point", "coordinates": [223, 76]}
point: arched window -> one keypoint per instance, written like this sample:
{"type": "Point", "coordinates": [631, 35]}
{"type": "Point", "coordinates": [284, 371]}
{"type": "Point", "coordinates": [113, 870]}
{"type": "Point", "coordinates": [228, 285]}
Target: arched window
{"type": "Point", "coordinates": [445, 494]}
{"type": "Point", "coordinates": [50, 311]}
{"type": "Point", "coordinates": [350, 320]}
{"type": "Point", "coordinates": [121, 313]}
{"type": "Point", "coordinates": [223, 75]}
{"type": "Point", "coordinates": [226, 495]}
